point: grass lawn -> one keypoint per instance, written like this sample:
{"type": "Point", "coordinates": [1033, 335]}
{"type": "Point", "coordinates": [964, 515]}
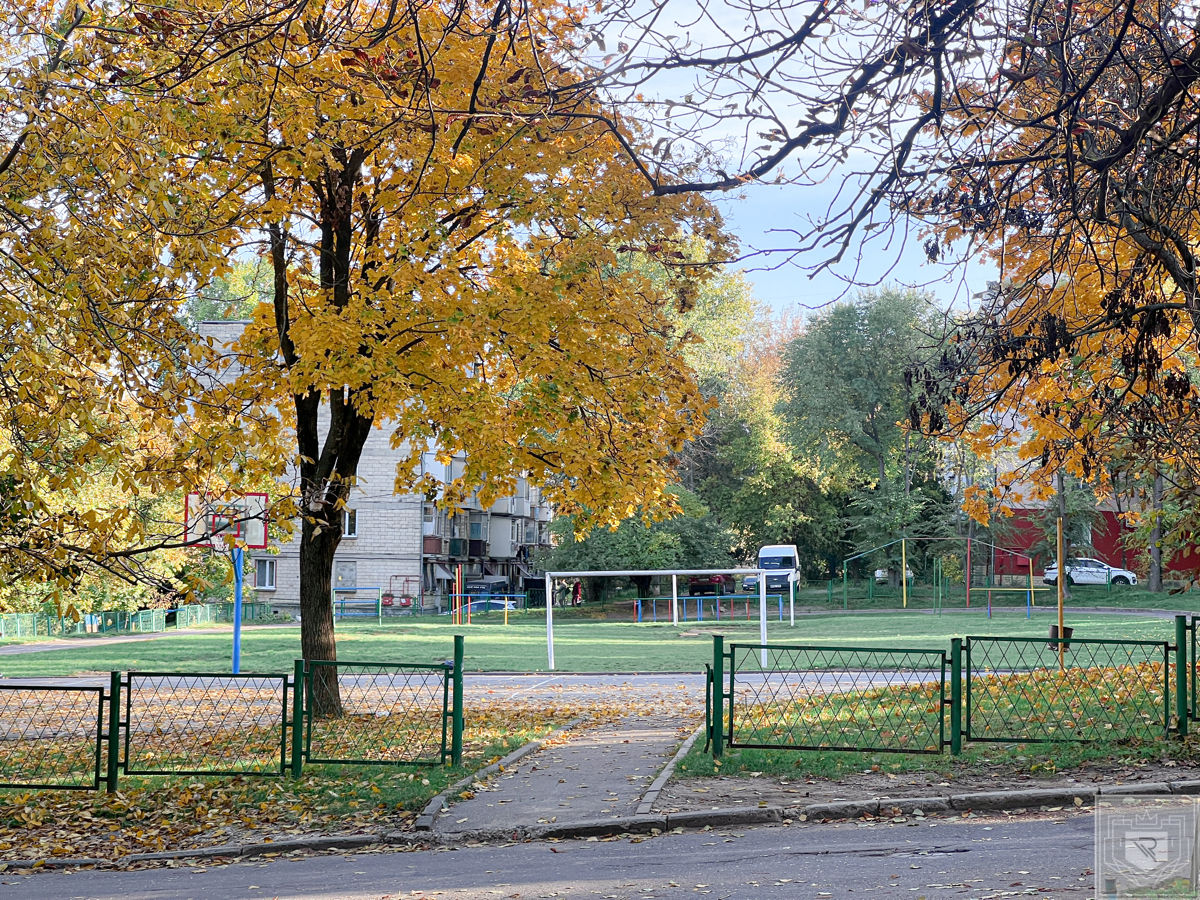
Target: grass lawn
{"type": "Point", "coordinates": [1011, 758]}
{"type": "Point", "coordinates": [580, 646]}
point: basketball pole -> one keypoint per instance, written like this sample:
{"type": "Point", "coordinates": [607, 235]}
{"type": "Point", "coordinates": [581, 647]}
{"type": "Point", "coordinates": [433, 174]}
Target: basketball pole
{"type": "Point", "coordinates": [1062, 574]}
{"type": "Point", "coordinates": [236, 556]}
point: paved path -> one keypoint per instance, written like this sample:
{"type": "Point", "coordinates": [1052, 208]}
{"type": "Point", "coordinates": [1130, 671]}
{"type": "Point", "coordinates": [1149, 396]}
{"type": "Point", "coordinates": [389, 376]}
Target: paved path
{"type": "Point", "coordinates": [588, 774]}
{"type": "Point", "coordinates": [978, 859]}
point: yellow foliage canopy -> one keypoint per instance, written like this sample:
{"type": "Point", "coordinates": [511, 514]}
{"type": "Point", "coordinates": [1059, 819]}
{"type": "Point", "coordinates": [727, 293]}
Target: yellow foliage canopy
{"type": "Point", "coordinates": [443, 206]}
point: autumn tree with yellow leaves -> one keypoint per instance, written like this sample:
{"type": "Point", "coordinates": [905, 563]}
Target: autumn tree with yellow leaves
{"type": "Point", "coordinates": [443, 207]}
{"type": "Point", "coordinates": [95, 370]}
{"type": "Point", "coordinates": [1082, 359]}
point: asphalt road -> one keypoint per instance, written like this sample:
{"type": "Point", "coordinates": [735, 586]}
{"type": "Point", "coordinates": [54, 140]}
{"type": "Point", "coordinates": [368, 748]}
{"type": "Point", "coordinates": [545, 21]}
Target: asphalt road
{"type": "Point", "coordinates": [981, 858]}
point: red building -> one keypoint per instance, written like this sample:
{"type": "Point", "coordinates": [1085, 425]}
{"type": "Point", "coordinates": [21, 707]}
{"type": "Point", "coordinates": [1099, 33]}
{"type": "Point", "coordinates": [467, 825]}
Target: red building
{"type": "Point", "coordinates": [1113, 542]}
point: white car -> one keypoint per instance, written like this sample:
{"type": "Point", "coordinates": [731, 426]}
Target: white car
{"type": "Point", "coordinates": [1089, 571]}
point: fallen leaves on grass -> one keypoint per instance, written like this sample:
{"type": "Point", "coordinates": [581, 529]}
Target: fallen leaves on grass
{"type": "Point", "coordinates": [174, 812]}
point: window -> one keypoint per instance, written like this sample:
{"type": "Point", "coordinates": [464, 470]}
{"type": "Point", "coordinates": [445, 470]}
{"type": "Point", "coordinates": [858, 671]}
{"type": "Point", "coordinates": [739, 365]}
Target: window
{"type": "Point", "coordinates": [515, 531]}
{"type": "Point", "coordinates": [476, 533]}
{"type": "Point", "coordinates": [350, 523]}
{"type": "Point", "coordinates": [264, 574]}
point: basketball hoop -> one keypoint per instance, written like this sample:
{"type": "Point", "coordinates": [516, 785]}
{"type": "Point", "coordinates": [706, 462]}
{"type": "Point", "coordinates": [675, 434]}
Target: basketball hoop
{"type": "Point", "coordinates": [221, 522]}
{"type": "Point", "coordinates": [235, 524]}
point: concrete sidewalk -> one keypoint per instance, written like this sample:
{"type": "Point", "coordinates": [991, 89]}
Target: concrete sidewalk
{"type": "Point", "coordinates": [587, 774]}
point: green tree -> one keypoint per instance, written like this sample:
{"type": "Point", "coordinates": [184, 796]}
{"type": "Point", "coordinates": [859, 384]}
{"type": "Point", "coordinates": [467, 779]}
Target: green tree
{"type": "Point", "coordinates": [843, 383]}
{"type": "Point", "coordinates": [693, 539]}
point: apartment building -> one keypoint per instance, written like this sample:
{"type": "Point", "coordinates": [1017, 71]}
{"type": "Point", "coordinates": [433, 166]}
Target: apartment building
{"type": "Point", "coordinates": [402, 545]}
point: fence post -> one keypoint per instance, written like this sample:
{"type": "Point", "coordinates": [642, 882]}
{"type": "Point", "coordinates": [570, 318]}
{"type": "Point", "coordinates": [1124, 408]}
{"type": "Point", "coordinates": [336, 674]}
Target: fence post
{"type": "Point", "coordinates": [718, 704]}
{"type": "Point", "coordinates": [299, 684]}
{"type": "Point", "coordinates": [955, 696]}
{"type": "Point", "coordinates": [1181, 674]}
{"type": "Point", "coordinates": [456, 722]}
{"type": "Point", "coordinates": [114, 731]}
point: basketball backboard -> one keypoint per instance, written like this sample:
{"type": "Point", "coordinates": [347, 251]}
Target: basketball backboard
{"type": "Point", "coordinates": [214, 521]}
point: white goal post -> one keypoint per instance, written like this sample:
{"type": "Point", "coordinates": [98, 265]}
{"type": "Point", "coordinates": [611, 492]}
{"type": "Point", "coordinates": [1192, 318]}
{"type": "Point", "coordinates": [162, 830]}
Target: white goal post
{"type": "Point", "coordinates": [674, 573]}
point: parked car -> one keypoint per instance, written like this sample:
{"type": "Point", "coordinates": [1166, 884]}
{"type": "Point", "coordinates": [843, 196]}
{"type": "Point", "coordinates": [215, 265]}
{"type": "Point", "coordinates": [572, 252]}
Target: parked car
{"type": "Point", "coordinates": [709, 584]}
{"type": "Point", "coordinates": [1083, 570]}
{"type": "Point", "coordinates": [881, 575]}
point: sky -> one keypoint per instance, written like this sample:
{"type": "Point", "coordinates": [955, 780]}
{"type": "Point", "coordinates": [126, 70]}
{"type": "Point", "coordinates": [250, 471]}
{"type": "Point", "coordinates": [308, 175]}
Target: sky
{"type": "Point", "coordinates": [760, 217]}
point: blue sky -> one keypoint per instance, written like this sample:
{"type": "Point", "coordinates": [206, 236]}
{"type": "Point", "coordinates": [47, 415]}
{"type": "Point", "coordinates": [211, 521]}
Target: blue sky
{"type": "Point", "coordinates": [760, 218]}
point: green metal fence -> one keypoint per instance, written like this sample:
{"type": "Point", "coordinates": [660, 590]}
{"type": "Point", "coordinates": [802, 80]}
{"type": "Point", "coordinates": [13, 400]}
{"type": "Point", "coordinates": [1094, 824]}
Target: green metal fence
{"type": "Point", "coordinates": [252, 611]}
{"type": "Point", "coordinates": [1011, 689]}
{"type": "Point", "coordinates": [48, 624]}
{"type": "Point", "coordinates": [51, 736]}
{"type": "Point", "coordinates": [195, 614]}
{"type": "Point", "coordinates": [205, 724]}
{"type": "Point", "coordinates": [32, 625]}
{"type": "Point", "coordinates": [809, 697]}
{"type": "Point", "coordinates": [172, 723]}
{"type": "Point", "coordinates": [390, 713]}
{"type": "Point", "coordinates": [1024, 689]}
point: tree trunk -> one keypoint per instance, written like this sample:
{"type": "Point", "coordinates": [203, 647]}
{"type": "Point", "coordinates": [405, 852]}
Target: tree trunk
{"type": "Point", "coordinates": [1156, 502]}
{"type": "Point", "coordinates": [317, 549]}
{"type": "Point", "coordinates": [328, 463]}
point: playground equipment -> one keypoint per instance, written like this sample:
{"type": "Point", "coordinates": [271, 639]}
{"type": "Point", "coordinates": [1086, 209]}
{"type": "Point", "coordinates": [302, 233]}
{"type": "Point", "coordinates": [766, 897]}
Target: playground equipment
{"type": "Point", "coordinates": [938, 590]}
{"type": "Point", "coordinates": [348, 604]}
{"type": "Point", "coordinates": [407, 596]}
{"type": "Point", "coordinates": [645, 609]}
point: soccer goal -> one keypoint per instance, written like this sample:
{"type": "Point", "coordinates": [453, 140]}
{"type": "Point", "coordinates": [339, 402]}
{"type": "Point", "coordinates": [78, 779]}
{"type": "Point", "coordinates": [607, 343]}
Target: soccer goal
{"type": "Point", "coordinates": [674, 575]}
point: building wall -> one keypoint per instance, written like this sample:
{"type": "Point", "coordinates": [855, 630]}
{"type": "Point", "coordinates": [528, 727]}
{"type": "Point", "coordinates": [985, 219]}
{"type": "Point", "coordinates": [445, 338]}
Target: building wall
{"type": "Point", "coordinates": [1112, 540]}
{"type": "Point", "coordinates": [385, 552]}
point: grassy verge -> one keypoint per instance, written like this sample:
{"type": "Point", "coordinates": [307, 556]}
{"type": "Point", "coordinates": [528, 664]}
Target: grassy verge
{"type": "Point", "coordinates": [179, 812]}
{"type": "Point", "coordinates": [1040, 760]}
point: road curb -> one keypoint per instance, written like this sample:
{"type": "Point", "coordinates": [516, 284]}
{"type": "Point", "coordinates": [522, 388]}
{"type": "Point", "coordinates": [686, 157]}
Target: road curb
{"type": "Point", "coordinates": [425, 820]}
{"type": "Point", "coordinates": [655, 823]}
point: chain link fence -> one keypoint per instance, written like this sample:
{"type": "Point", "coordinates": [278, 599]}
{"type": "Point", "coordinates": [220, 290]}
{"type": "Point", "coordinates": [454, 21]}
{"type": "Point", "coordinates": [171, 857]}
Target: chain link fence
{"type": "Point", "coordinates": [205, 724]}
{"type": "Point", "coordinates": [51, 736]}
{"type": "Point", "coordinates": [389, 713]}
{"type": "Point", "coordinates": [806, 697]}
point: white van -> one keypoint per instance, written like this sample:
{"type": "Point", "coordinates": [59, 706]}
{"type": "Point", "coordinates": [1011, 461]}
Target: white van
{"type": "Point", "coordinates": [782, 562]}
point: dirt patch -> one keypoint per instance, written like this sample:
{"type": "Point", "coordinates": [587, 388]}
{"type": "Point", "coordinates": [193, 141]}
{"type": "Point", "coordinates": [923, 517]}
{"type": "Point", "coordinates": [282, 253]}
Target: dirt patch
{"type": "Point", "coordinates": [727, 791]}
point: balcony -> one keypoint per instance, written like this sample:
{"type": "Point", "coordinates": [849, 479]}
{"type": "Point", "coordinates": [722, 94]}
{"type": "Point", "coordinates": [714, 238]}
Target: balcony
{"type": "Point", "coordinates": [477, 548]}
{"type": "Point", "coordinates": [458, 546]}
{"type": "Point", "coordinates": [433, 545]}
